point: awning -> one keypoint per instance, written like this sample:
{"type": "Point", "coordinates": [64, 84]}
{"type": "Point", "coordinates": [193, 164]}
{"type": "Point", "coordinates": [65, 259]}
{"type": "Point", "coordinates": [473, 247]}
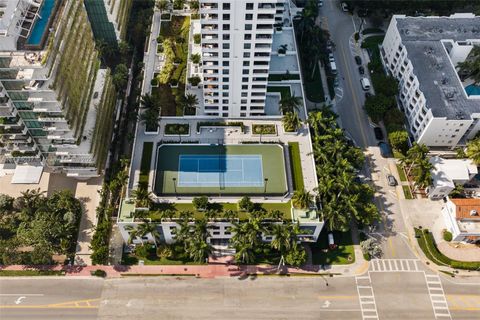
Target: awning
{"type": "Point", "coordinates": [27, 174]}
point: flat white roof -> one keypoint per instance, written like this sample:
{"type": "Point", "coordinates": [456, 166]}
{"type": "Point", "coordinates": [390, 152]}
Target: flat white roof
{"type": "Point", "coordinates": [25, 174]}
{"type": "Point", "coordinates": [447, 171]}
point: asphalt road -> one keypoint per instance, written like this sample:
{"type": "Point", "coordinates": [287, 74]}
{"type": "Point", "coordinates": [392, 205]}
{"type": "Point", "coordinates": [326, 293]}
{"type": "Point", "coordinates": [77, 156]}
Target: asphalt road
{"type": "Point", "coordinates": [350, 102]}
{"type": "Point", "coordinates": [391, 294]}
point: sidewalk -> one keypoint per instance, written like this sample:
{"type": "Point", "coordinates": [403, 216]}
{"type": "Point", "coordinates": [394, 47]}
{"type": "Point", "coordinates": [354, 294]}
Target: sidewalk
{"type": "Point", "coordinates": [213, 270]}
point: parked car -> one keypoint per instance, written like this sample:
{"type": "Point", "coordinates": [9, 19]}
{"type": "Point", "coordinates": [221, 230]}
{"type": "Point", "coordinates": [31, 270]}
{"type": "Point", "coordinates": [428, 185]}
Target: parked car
{"type": "Point", "coordinates": [361, 70]}
{"type": "Point", "coordinates": [330, 57]}
{"type": "Point", "coordinates": [385, 150]}
{"type": "Point", "coordinates": [358, 60]}
{"type": "Point", "coordinates": [320, 3]}
{"type": "Point", "coordinates": [392, 182]}
{"type": "Point", "coordinates": [344, 7]}
{"type": "Point", "coordinates": [365, 84]}
{"type": "Point", "coordinates": [378, 133]}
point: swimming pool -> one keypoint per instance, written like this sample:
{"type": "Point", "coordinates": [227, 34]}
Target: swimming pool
{"type": "Point", "coordinates": [41, 23]}
{"type": "Point", "coordinates": [472, 90]}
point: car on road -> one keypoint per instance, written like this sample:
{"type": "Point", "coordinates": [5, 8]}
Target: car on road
{"type": "Point", "coordinates": [361, 70]}
{"type": "Point", "coordinates": [344, 7]}
{"type": "Point", "coordinates": [385, 150]}
{"type": "Point", "coordinates": [320, 3]}
{"type": "Point", "coordinates": [330, 57]}
{"type": "Point", "coordinates": [378, 133]}
{"type": "Point", "coordinates": [365, 84]}
{"type": "Point", "coordinates": [392, 182]}
{"type": "Point", "coordinates": [358, 60]}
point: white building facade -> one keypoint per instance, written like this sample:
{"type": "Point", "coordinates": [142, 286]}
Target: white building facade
{"type": "Point", "coordinates": [422, 54]}
{"type": "Point", "coordinates": [237, 38]}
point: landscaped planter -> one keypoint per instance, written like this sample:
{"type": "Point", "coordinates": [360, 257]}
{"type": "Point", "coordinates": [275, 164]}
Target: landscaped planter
{"type": "Point", "coordinates": [175, 130]}
{"type": "Point", "coordinates": [220, 125]}
{"type": "Point", "coordinates": [152, 132]}
{"type": "Point", "coordinates": [264, 129]}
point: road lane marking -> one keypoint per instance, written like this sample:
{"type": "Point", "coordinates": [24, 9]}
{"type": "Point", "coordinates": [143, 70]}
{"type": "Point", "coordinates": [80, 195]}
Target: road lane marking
{"type": "Point", "coordinates": [77, 304]}
{"type": "Point", "coordinates": [21, 294]}
{"type": "Point", "coordinates": [438, 298]}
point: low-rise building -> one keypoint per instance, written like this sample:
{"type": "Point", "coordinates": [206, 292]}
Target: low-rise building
{"type": "Point", "coordinates": [462, 218]}
{"type": "Point", "coordinates": [448, 173]}
{"type": "Point", "coordinates": [422, 53]}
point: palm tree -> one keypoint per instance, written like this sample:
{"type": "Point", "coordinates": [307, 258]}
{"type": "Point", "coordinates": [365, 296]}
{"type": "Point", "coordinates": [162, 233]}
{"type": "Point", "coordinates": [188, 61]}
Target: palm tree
{"type": "Point", "coordinates": [150, 117]}
{"type": "Point", "coordinates": [230, 215]}
{"type": "Point", "coordinates": [147, 228]}
{"type": "Point", "coordinates": [142, 197]}
{"type": "Point", "coordinates": [190, 100]}
{"type": "Point", "coordinates": [301, 199]}
{"type": "Point", "coordinates": [133, 234]}
{"type": "Point", "coordinates": [416, 154]}
{"type": "Point", "coordinates": [291, 121]}
{"type": "Point", "coordinates": [149, 102]}
{"type": "Point", "coordinates": [281, 238]}
{"type": "Point", "coordinates": [473, 150]}
{"type": "Point", "coordinates": [290, 103]}
{"type": "Point", "coordinates": [162, 5]}
{"type": "Point", "coordinates": [244, 253]}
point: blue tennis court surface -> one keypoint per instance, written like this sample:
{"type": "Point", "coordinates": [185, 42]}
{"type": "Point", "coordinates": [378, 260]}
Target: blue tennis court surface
{"type": "Point", "coordinates": [220, 171]}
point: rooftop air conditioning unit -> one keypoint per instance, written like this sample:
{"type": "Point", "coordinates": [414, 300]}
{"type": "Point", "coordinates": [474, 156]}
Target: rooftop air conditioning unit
{"type": "Point", "coordinates": [473, 213]}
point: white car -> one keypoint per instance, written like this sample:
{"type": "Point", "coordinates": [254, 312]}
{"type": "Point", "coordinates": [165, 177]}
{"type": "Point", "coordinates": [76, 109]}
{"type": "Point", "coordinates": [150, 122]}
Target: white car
{"type": "Point", "coordinates": [320, 3]}
{"type": "Point", "coordinates": [344, 7]}
{"type": "Point", "coordinates": [365, 84]}
{"type": "Point", "coordinates": [331, 58]}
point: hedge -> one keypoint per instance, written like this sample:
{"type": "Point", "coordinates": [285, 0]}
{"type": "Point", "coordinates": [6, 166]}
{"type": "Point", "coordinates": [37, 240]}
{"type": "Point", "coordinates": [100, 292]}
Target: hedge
{"type": "Point", "coordinates": [429, 248]}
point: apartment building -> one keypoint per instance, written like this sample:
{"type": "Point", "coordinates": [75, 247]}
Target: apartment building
{"type": "Point", "coordinates": [422, 53]}
{"type": "Point", "coordinates": [236, 46]}
{"type": "Point", "coordinates": [109, 18]}
{"type": "Point", "coordinates": [56, 104]}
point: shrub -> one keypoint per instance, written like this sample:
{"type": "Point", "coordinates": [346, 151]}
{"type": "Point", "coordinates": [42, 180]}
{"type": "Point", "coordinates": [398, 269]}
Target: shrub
{"type": "Point", "coordinates": [6, 202]}
{"type": "Point", "coordinates": [399, 141]}
{"type": "Point", "coordinates": [178, 4]}
{"type": "Point", "coordinates": [195, 58]}
{"type": "Point", "coordinates": [99, 273]}
{"type": "Point", "coordinates": [160, 39]}
{"type": "Point", "coordinates": [177, 60]}
{"type": "Point", "coordinates": [164, 252]}
{"type": "Point", "coordinates": [195, 16]}
{"type": "Point", "coordinates": [142, 251]}
{"type": "Point", "coordinates": [447, 235]}
{"type": "Point", "coordinates": [197, 38]}
{"type": "Point", "coordinates": [200, 203]}
{"type": "Point", "coordinates": [245, 204]}
{"type": "Point", "coordinates": [173, 82]}
{"type": "Point", "coordinates": [154, 82]}
{"type": "Point", "coordinates": [194, 81]}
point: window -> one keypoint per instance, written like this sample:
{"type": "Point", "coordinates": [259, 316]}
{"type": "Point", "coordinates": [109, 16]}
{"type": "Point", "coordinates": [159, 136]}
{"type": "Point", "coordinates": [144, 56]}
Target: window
{"type": "Point", "coordinates": [225, 63]}
{"type": "Point", "coordinates": [226, 27]}
{"type": "Point", "coordinates": [243, 108]}
{"type": "Point", "coordinates": [226, 16]}
{"type": "Point", "coordinates": [225, 79]}
{"type": "Point", "coordinates": [225, 94]}
{"type": "Point", "coordinates": [226, 45]}
{"type": "Point", "coordinates": [248, 26]}
{"type": "Point", "coordinates": [245, 71]}
{"type": "Point", "coordinates": [246, 63]}
{"type": "Point", "coordinates": [243, 114]}
{"type": "Point", "coordinates": [244, 87]}
{"type": "Point", "coordinates": [245, 79]}
{"type": "Point", "coordinates": [225, 101]}
{"type": "Point", "coordinates": [247, 46]}
{"type": "Point", "coordinates": [225, 54]}
{"type": "Point", "coordinates": [225, 108]}
{"type": "Point", "coordinates": [226, 71]}
{"type": "Point", "coordinates": [226, 6]}
{"type": "Point", "coordinates": [225, 87]}
{"type": "Point", "coordinates": [244, 94]}
{"type": "Point", "coordinates": [226, 37]}
{"type": "Point", "coordinates": [248, 16]}
{"type": "Point", "coordinates": [247, 36]}
{"type": "Point", "coordinates": [249, 6]}
{"type": "Point", "coordinates": [246, 54]}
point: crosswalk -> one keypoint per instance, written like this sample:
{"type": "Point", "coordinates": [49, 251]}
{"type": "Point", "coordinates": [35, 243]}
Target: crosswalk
{"type": "Point", "coordinates": [394, 265]}
{"type": "Point", "coordinates": [368, 306]}
{"type": "Point", "coordinates": [437, 297]}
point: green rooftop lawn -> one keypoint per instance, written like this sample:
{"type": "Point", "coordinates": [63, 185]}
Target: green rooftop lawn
{"type": "Point", "coordinates": [145, 162]}
{"type": "Point", "coordinates": [296, 165]}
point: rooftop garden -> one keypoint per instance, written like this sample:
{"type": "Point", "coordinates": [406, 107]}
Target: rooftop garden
{"type": "Point", "coordinates": [171, 79]}
{"type": "Point", "coordinates": [296, 165]}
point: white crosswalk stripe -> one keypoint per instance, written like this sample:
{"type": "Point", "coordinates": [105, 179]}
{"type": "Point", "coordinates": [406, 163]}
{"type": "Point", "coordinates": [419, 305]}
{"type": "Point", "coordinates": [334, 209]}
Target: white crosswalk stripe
{"type": "Point", "coordinates": [394, 265]}
{"type": "Point", "coordinates": [437, 297]}
{"type": "Point", "coordinates": [366, 297]}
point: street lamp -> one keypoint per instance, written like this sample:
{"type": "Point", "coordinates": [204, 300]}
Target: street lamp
{"type": "Point", "coordinates": [175, 186]}
{"type": "Point", "coordinates": [265, 188]}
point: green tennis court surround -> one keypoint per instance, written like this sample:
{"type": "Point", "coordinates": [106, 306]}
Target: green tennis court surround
{"type": "Point", "coordinates": [220, 170]}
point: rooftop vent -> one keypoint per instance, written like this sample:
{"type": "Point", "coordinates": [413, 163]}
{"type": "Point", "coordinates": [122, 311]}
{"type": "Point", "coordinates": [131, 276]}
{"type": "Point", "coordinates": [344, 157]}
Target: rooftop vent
{"type": "Point", "coordinates": [473, 213]}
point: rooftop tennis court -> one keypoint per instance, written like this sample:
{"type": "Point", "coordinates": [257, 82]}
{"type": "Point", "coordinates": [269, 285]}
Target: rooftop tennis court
{"type": "Point", "coordinates": [212, 169]}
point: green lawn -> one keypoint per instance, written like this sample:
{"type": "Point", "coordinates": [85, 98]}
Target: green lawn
{"type": "Point", "coordinates": [314, 87]}
{"type": "Point", "coordinates": [272, 168]}
{"type": "Point", "coordinates": [152, 259]}
{"type": "Point", "coordinates": [373, 42]}
{"type": "Point", "coordinates": [220, 207]}
{"type": "Point", "coordinates": [145, 162]}
{"type": "Point", "coordinates": [401, 173]}
{"type": "Point", "coordinates": [340, 255]}
{"type": "Point", "coordinates": [283, 90]}
{"type": "Point", "coordinates": [281, 77]}
{"type": "Point", "coordinates": [30, 273]}
{"type": "Point", "coordinates": [296, 165]}
{"type": "Point", "coordinates": [407, 192]}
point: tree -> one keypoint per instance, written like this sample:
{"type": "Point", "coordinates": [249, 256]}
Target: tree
{"type": "Point", "coordinates": [195, 58]}
{"type": "Point", "coordinates": [377, 105]}
{"type": "Point", "coordinates": [296, 256]}
{"type": "Point", "coordinates": [194, 5]}
{"type": "Point", "coordinates": [198, 247]}
{"type": "Point", "coordinates": [6, 202]}
{"type": "Point", "coordinates": [230, 215]}
{"type": "Point", "coordinates": [200, 203]}
{"type": "Point", "coordinates": [151, 118]}
{"type": "Point", "coordinates": [162, 5]}
{"type": "Point", "coordinates": [290, 103]}
{"type": "Point", "coordinates": [147, 101]}
{"type": "Point", "coordinates": [385, 85]}
{"type": "Point", "coordinates": [120, 77]}
{"type": "Point", "coordinates": [148, 228]}
{"type": "Point", "coordinates": [291, 121]}
{"type": "Point", "coordinates": [371, 247]}
{"type": "Point", "coordinates": [189, 101]}
{"type": "Point", "coordinates": [301, 199]}
{"type": "Point", "coordinates": [281, 238]}
{"type": "Point", "coordinates": [142, 197]}
{"type": "Point", "coordinates": [399, 141]}
{"type": "Point", "coordinates": [245, 204]}
{"type": "Point", "coordinates": [473, 150]}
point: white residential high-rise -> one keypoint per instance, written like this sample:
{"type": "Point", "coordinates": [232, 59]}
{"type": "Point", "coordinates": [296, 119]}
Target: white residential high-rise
{"type": "Point", "coordinates": [422, 53]}
{"type": "Point", "coordinates": [237, 37]}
